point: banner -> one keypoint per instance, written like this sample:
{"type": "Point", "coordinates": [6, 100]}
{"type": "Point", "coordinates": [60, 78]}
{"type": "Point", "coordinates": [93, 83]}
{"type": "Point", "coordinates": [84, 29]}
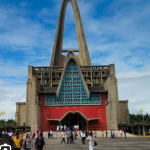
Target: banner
{"type": "Point", "coordinates": [141, 111]}
{"type": "Point", "coordinates": [2, 113]}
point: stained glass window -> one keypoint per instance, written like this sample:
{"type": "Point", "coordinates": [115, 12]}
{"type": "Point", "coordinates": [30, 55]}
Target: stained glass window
{"type": "Point", "coordinates": [72, 90]}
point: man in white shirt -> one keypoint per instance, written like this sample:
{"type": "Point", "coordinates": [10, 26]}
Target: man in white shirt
{"type": "Point", "coordinates": [51, 133]}
{"type": "Point", "coordinates": [83, 137]}
{"type": "Point", "coordinates": [10, 134]}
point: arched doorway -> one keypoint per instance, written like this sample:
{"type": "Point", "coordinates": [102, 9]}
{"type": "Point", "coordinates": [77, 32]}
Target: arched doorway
{"type": "Point", "coordinates": [71, 119]}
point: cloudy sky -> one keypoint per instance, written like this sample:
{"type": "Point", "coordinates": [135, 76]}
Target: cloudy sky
{"type": "Point", "coordinates": [117, 32]}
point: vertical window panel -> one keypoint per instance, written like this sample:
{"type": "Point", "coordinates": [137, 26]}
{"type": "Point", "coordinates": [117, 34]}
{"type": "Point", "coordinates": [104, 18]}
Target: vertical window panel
{"type": "Point", "coordinates": [72, 90]}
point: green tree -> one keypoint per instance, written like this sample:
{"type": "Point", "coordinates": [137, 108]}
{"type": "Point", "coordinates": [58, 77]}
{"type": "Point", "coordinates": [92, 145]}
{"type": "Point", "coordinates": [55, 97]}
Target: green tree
{"type": "Point", "coordinates": [7, 122]}
{"type": "Point", "coordinates": [2, 122]}
{"type": "Point", "coordinates": [139, 118]}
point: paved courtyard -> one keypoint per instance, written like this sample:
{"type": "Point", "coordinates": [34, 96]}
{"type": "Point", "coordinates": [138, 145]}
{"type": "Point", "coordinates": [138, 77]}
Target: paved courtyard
{"type": "Point", "coordinates": [103, 144]}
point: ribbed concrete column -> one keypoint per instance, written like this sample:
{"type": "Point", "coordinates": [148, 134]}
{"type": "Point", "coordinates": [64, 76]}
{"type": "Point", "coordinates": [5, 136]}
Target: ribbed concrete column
{"type": "Point", "coordinates": [17, 114]}
{"type": "Point", "coordinates": [112, 108]}
{"type": "Point", "coordinates": [32, 107]}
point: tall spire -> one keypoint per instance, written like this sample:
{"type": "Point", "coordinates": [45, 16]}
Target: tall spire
{"type": "Point", "coordinates": [58, 44]}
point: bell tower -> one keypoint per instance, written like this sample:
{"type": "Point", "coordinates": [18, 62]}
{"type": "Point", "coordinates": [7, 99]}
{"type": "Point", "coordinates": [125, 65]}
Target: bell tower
{"type": "Point", "coordinates": [57, 57]}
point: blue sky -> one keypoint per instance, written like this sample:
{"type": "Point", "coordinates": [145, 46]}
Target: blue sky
{"type": "Point", "coordinates": [117, 31]}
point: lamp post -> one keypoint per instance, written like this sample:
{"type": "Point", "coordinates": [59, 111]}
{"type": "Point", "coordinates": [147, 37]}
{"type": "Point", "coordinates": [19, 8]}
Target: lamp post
{"type": "Point", "coordinates": [141, 112]}
{"type": "Point", "coordinates": [143, 126]}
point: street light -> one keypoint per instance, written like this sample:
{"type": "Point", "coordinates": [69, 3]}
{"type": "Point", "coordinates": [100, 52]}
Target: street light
{"type": "Point", "coordinates": [143, 126]}
{"type": "Point", "coordinates": [142, 113]}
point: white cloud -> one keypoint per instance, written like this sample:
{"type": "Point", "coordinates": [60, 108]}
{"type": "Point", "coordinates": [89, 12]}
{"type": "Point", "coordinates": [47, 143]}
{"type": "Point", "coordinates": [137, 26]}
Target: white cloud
{"type": "Point", "coordinates": [9, 96]}
{"type": "Point", "coordinates": [136, 90]}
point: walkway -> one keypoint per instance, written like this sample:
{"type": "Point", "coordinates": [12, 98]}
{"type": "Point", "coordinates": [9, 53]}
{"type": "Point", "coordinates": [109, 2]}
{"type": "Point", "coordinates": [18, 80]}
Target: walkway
{"type": "Point", "coordinates": [103, 144]}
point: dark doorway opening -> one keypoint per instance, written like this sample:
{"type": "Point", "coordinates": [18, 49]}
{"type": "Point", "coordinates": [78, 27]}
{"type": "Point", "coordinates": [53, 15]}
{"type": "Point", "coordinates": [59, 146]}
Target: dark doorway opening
{"type": "Point", "coordinates": [72, 119]}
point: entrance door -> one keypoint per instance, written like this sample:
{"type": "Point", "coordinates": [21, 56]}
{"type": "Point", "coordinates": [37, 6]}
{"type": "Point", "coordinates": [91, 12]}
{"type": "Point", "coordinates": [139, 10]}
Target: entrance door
{"type": "Point", "coordinates": [74, 119]}
{"type": "Point", "coordinates": [80, 125]}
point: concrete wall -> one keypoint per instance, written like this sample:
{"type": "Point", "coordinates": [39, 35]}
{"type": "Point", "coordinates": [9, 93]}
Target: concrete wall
{"type": "Point", "coordinates": [112, 104]}
{"type": "Point", "coordinates": [57, 112]}
{"type": "Point", "coordinates": [124, 112]}
{"type": "Point", "coordinates": [20, 116]}
{"type": "Point", "coordinates": [33, 106]}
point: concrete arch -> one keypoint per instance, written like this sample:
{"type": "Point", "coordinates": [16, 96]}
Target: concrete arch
{"type": "Point", "coordinates": [74, 112]}
{"type": "Point", "coordinates": [57, 49]}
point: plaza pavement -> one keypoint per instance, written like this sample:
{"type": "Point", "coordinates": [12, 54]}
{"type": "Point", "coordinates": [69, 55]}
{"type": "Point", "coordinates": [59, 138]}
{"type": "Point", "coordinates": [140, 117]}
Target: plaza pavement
{"type": "Point", "coordinates": [139, 143]}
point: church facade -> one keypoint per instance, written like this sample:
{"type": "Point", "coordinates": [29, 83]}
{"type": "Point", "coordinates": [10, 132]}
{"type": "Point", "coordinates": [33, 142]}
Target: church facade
{"type": "Point", "coordinates": [71, 91]}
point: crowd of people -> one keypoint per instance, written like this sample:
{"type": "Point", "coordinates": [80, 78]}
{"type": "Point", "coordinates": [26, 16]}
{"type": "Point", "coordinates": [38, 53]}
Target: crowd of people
{"type": "Point", "coordinates": [52, 134]}
{"type": "Point", "coordinates": [114, 133]}
{"type": "Point", "coordinates": [25, 140]}
{"type": "Point", "coordinates": [18, 140]}
{"type": "Point", "coordinates": [61, 128]}
{"type": "Point", "coordinates": [85, 137]}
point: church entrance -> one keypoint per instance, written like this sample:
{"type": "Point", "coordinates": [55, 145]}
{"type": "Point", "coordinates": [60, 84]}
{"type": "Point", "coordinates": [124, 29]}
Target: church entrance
{"type": "Point", "coordinates": [72, 119]}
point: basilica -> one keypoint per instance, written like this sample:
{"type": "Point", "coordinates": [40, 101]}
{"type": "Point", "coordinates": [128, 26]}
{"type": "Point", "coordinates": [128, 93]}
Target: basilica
{"type": "Point", "coordinates": [71, 91]}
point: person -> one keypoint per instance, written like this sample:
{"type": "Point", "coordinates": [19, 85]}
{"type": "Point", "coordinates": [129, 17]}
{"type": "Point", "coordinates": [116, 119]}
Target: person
{"type": "Point", "coordinates": [68, 137]}
{"type": "Point", "coordinates": [3, 134]}
{"type": "Point", "coordinates": [116, 133]}
{"type": "Point", "coordinates": [57, 128]}
{"type": "Point", "coordinates": [83, 137]}
{"type": "Point", "coordinates": [48, 134]}
{"type": "Point", "coordinates": [102, 133]}
{"type": "Point", "coordinates": [11, 140]}
{"type": "Point", "coordinates": [39, 143]}
{"type": "Point", "coordinates": [43, 134]}
{"type": "Point", "coordinates": [120, 133]}
{"type": "Point", "coordinates": [68, 129]}
{"type": "Point", "coordinates": [63, 137]}
{"type": "Point", "coordinates": [75, 134]}
{"type": "Point", "coordinates": [10, 135]}
{"type": "Point", "coordinates": [71, 137]}
{"type": "Point", "coordinates": [21, 137]}
{"type": "Point", "coordinates": [90, 141]}
{"type": "Point", "coordinates": [106, 133]}
{"type": "Point", "coordinates": [17, 142]}
{"type": "Point", "coordinates": [54, 134]}
{"type": "Point", "coordinates": [27, 142]}
{"type": "Point", "coordinates": [34, 133]}
{"type": "Point", "coordinates": [51, 133]}
{"type": "Point", "coordinates": [65, 128]}
{"type": "Point", "coordinates": [125, 131]}
{"type": "Point", "coordinates": [6, 135]}
{"type": "Point", "coordinates": [80, 133]}
{"type": "Point", "coordinates": [113, 134]}
{"type": "Point", "coordinates": [86, 133]}
{"type": "Point", "coordinates": [61, 128]}
{"type": "Point", "coordinates": [95, 134]}
{"type": "Point", "coordinates": [77, 127]}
